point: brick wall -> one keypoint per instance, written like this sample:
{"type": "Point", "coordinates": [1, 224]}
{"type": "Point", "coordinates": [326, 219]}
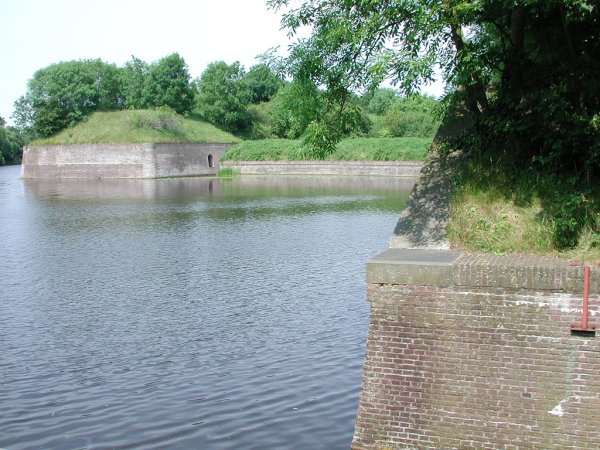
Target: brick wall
{"type": "Point", "coordinates": [137, 160]}
{"type": "Point", "coordinates": [477, 352]}
{"type": "Point", "coordinates": [348, 168]}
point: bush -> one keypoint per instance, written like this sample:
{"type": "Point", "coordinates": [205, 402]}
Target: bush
{"type": "Point", "coordinates": [10, 145]}
{"type": "Point", "coordinates": [411, 117]}
{"type": "Point", "coordinates": [261, 121]}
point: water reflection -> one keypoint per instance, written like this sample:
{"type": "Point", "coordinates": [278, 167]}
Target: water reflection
{"type": "Point", "coordinates": [188, 313]}
{"type": "Point", "coordinates": [240, 187]}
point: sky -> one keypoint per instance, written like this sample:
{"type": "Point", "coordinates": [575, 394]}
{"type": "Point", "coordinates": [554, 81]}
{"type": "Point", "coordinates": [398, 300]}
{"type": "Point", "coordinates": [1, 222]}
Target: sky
{"type": "Point", "coordinates": [37, 33]}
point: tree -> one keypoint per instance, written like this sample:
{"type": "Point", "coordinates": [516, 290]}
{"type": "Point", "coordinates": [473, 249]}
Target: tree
{"type": "Point", "coordinates": [525, 69]}
{"type": "Point", "coordinates": [262, 83]}
{"type": "Point", "coordinates": [10, 144]}
{"type": "Point", "coordinates": [412, 116]}
{"type": "Point", "coordinates": [379, 101]}
{"type": "Point", "coordinates": [223, 96]}
{"type": "Point", "coordinates": [167, 84]}
{"type": "Point", "coordinates": [294, 107]}
{"type": "Point", "coordinates": [133, 80]}
{"type": "Point", "coordinates": [62, 94]}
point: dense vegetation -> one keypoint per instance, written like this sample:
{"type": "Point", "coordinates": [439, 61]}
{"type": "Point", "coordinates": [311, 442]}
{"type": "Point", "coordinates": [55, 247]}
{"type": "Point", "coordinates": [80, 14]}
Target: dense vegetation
{"type": "Point", "coordinates": [253, 104]}
{"type": "Point", "coordinates": [526, 71]}
{"type": "Point", "coordinates": [10, 144]}
{"type": "Point", "coordinates": [63, 94]}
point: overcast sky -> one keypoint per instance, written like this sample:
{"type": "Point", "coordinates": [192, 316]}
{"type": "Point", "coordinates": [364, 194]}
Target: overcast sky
{"type": "Point", "coordinates": [37, 33]}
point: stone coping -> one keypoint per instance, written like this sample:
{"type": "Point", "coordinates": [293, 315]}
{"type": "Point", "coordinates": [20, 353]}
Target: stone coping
{"type": "Point", "coordinates": [417, 164]}
{"type": "Point", "coordinates": [453, 269]}
{"type": "Point", "coordinates": [408, 169]}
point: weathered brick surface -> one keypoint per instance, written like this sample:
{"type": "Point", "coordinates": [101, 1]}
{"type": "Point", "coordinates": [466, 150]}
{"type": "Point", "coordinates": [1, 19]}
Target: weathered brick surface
{"type": "Point", "coordinates": [488, 361]}
{"type": "Point", "coordinates": [351, 168]}
{"type": "Point", "coordinates": [137, 160]}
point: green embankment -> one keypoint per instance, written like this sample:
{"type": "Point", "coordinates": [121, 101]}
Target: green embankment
{"type": "Point", "coordinates": [139, 126]}
{"type": "Point", "coordinates": [492, 213]}
{"type": "Point", "coordinates": [351, 149]}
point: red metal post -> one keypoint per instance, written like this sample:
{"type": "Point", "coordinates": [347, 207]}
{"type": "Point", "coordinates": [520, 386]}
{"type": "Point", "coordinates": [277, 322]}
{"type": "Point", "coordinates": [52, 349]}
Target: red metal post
{"type": "Point", "coordinates": [586, 293]}
{"type": "Point", "coordinates": [584, 326]}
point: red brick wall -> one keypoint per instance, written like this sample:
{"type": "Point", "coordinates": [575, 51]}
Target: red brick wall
{"type": "Point", "coordinates": [478, 367]}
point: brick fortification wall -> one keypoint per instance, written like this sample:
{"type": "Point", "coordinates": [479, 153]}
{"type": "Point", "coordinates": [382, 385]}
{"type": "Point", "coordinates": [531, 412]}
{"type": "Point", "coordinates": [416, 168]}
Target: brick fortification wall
{"type": "Point", "coordinates": [469, 351]}
{"type": "Point", "coordinates": [347, 168]}
{"type": "Point", "coordinates": [121, 160]}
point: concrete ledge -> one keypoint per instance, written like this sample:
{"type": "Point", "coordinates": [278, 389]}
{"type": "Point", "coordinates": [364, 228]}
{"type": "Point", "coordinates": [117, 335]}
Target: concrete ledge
{"type": "Point", "coordinates": [355, 168]}
{"type": "Point", "coordinates": [414, 267]}
{"type": "Point", "coordinates": [445, 269]}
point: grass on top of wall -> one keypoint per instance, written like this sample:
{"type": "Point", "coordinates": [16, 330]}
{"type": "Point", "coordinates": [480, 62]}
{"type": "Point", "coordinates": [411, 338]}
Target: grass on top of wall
{"type": "Point", "coordinates": [488, 215]}
{"type": "Point", "coordinates": [160, 126]}
{"type": "Point", "coordinates": [351, 149]}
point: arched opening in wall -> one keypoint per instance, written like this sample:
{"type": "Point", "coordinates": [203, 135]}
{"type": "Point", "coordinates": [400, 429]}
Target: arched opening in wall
{"type": "Point", "coordinates": [211, 162]}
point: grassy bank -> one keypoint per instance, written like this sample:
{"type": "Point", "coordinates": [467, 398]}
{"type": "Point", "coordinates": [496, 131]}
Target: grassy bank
{"type": "Point", "coordinates": [352, 149]}
{"type": "Point", "coordinates": [139, 126]}
{"type": "Point", "coordinates": [498, 213]}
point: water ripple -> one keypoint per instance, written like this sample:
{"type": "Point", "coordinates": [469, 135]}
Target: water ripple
{"type": "Point", "coordinates": [174, 313]}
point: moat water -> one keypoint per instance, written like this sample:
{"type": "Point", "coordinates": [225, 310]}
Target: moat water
{"type": "Point", "coordinates": [186, 313]}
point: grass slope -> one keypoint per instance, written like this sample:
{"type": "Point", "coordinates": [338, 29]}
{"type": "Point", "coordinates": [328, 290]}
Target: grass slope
{"type": "Point", "coordinates": [352, 149]}
{"type": "Point", "coordinates": [139, 126]}
{"type": "Point", "coordinates": [492, 214]}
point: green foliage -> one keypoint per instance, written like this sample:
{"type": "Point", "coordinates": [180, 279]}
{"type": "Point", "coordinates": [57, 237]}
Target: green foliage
{"type": "Point", "coordinates": [411, 116]}
{"type": "Point", "coordinates": [228, 172]}
{"type": "Point", "coordinates": [300, 110]}
{"type": "Point", "coordinates": [11, 144]}
{"type": "Point", "coordinates": [544, 213]}
{"type": "Point", "coordinates": [379, 101]}
{"type": "Point", "coordinates": [168, 84]}
{"type": "Point", "coordinates": [223, 97]}
{"type": "Point", "coordinates": [320, 139]}
{"type": "Point", "coordinates": [63, 94]}
{"type": "Point", "coordinates": [133, 80]}
{"type": "Point", "coordinates": [127, 126]}
{"type": "Point", "coordinates": [355, 45]}
{"type": "Point", "coordinates": [526, 71]}
{"type": "Point", "coordinates": [295, 106]}
{"type": "Point", "coordinates": [264, 150]}
{"type": "Point", "coordinates": [262, 120]}
{"type": "Point", "coordinates": [262, 83]}
{"type": "Point", "coordinates": [382, 149]}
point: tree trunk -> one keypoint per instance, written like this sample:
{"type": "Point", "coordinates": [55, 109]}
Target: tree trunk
{"type": "Point", "coordinates": [476, 99]}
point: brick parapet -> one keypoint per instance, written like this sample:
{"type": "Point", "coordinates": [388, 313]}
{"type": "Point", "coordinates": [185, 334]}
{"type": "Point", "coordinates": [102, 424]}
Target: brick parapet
{"type": "Point", "coordinates": [478, 355]}
{"type": "Point", "coordinates": [442, 269]}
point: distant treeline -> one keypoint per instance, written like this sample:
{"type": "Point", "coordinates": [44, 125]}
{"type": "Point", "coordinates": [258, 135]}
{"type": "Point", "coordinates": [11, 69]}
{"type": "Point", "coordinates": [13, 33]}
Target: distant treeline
{"type": "Point", "coordinates": [253, 104]}
{"type": "Point", "coordinates": [11, 143]}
